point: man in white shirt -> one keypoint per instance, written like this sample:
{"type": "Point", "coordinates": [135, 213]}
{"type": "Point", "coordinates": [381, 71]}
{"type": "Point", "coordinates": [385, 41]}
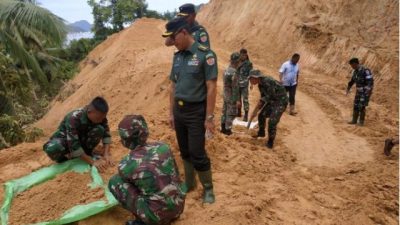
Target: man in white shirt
{"type": "Point", "coordinates": [289, 76]}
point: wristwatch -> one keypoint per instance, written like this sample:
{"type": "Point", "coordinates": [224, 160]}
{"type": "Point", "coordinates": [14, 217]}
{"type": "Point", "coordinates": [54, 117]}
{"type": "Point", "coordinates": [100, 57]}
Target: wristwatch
{"type": "Point", "coordinates": [210, 117]}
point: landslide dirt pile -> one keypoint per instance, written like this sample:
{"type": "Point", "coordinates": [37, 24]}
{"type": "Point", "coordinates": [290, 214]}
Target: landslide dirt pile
{"type": "Point", "coordinates": [321, 170]}
{"type": "Point", "coordinates": [130, 69]}
{"type": "Point", "coordinates": [325, 33]}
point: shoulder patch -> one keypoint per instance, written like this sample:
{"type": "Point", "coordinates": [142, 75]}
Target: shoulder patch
{"type": "Point", "coordinates": [210, 57]}
{"type": "Point", "coordinates": [203, 48]}
{"type": "Point", "coordinates": [203, 37]}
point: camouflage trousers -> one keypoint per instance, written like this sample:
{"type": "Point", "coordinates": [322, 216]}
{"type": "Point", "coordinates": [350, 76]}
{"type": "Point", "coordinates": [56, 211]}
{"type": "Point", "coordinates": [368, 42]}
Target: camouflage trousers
{"type": "Point", "coordinates": [244, 97]}
{"type": "Point", "coordinates": [361, 101]}
{"type": "Point", "coordinates": [229, 112]}
{"type": "Point", "coordinates": [274, 112]}
{"type": "Point", "coordinates": [58, 148]}
{"type": "Point", "coordinates": [154, 212]}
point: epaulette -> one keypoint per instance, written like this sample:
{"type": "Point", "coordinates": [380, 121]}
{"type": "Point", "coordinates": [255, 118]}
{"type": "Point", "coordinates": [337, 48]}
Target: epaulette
{"type": "Point", "coordinates": [203, 48]}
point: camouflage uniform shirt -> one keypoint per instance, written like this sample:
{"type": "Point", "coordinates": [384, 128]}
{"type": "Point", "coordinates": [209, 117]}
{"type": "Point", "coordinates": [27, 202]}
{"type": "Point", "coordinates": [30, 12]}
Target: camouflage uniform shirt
{"type": "Point", "coordinates": [244, 71]}
{"type": "Point", "coordinates": [75, 128]}
{"type": "Point", "coordinates": [152, 171]}
{"type": "Point", "coordinates": [231, 85]}
{"type": "Point", "coordinates": [200, 34]}
{"type": "Point", "coordinates": [272, 92]}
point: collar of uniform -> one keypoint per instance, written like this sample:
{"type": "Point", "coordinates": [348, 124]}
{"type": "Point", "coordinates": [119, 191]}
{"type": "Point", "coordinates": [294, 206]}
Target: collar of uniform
{"type": "Point", "coordinates": [193, 48]}
{"type": "Point", "coordinates": [84, 117]}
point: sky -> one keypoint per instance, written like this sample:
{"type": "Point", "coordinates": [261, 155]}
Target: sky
{"type": "Point", "coordinates": [74, 10]}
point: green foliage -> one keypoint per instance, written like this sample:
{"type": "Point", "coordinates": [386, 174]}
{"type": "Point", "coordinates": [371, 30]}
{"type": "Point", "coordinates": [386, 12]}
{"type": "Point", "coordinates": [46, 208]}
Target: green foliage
{"type": "Point", "coordinates": [33, 134]}
{"type": "Point", "coordinates": [11, 130]}
{"type": "Point", "coordinates": [110, 16]}
{"type": "Point", "coordinates": [79, 49]}
{"type": "Point", "coordinates": [26, 30]}
{"type": "Point", "coordinates": [33, 66]}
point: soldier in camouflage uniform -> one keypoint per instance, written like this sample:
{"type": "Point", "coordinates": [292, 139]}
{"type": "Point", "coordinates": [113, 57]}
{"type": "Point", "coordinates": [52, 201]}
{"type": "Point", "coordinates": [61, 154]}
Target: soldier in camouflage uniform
{"type": "Point", "coordinates": [364, 81]}
{"type": "Point", "coordinates": [198, 32]}
{"type": "Point", "coordinates": [272, 104]}
{"type": "Point", "coordinates": [79, 133]}
{"type": "Point", "coordinates": [147, 183]}
{"type": "Point", "coordinates": [231, 95]}
{"type": "Point", "coordinates": [244, 69]}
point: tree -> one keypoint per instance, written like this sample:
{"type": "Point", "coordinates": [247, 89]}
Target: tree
{"type": "Point", "coordinates": [111, 15]}
{"type": "Point", "coordinates": [26, 30]}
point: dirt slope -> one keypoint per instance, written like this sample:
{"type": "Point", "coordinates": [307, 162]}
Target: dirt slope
{"type": "Point", "coordinates": [321, 170]}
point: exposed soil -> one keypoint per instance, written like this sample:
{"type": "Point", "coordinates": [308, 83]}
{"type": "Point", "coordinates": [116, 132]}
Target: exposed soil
{"type": "Point", "coordinates": [321, 171]}
{"type": "Point", "coordinates": [49, 201]}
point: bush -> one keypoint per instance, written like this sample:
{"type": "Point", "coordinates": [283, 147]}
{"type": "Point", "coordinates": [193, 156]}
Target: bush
{"type": "Point", "coordinates": [32, 134]}
{"type": "Point", "coordinates": [10, 130]}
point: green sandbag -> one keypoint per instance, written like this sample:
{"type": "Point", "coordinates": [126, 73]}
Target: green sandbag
{"type": "Point", "coordinates": [76, 213]}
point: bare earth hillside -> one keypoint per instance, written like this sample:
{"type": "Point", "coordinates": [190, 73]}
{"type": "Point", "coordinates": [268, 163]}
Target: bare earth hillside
{"type": "Point", "coordinates": [321, 171]}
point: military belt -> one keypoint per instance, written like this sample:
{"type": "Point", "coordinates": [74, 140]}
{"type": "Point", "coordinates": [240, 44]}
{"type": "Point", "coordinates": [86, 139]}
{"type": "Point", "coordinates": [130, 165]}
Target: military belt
{"type": "Point", "coordinates": [182, 103]}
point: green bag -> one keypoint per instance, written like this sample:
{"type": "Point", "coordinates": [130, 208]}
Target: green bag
{"type": "Point", "coordinates": [76, 213]}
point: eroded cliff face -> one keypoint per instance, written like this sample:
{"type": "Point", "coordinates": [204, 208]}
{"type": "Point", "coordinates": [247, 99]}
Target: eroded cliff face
{"type": "Point", "coordinates": [325, 33]}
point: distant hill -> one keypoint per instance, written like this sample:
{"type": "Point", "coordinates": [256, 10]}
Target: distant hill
{"type": "Point", "coordinates": [79, 26]}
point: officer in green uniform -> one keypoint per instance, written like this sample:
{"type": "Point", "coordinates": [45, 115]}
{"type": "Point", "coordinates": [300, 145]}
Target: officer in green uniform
{"type": "Point", "coordinates": [199, 33]}
{"type": "Point", "coordinates": [192, 102]}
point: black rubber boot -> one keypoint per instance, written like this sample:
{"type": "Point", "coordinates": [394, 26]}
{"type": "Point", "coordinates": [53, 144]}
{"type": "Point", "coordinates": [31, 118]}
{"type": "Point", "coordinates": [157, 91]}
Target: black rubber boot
{"type": "Point", "coordinates": [270, 143]}
{"type": "Point", "coordinates": [228, 132]}
{"type": "Point", "coordinates": [246, 116]}
{"type": "Point", "coordinates": [261, 133]}
{"type": "Point", "coordinates": [362, 118]}
{"type": "Point", "coordinates": [134, 222]}
{"type": "Point", "coordinates": [388, 147]}
{"type": "Point", "coordinates": [355, 118]}
{"type": "Point", "coordinates": [223, 129]}
{"type": "Point", "coordinates": [206, 180]}
{"type": "Point", "coordinates": [190, 176]}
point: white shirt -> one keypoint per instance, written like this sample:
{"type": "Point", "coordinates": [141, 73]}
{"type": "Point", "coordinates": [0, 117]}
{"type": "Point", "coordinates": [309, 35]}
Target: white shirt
{"type": "Point", "coordinates": [289, 73]}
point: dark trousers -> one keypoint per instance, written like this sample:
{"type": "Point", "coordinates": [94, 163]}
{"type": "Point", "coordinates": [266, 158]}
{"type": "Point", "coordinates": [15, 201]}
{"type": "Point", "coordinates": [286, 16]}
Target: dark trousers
{"type": "Point", "coordinates": [291, 90]}
{"type": "Point", "coordinates": [189, 121]}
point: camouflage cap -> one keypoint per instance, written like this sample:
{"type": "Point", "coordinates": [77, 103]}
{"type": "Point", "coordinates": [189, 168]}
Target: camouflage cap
{"type": "Point", "coordinates": [133, 131]}
{"type": "Point", "coordinates": [255, 74]}
{"type": "Point", "coordinates": [235, 57]}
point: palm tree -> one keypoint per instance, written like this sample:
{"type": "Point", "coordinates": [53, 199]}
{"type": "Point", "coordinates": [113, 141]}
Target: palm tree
{"type": "Point", "coordinates": [26, 29]}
